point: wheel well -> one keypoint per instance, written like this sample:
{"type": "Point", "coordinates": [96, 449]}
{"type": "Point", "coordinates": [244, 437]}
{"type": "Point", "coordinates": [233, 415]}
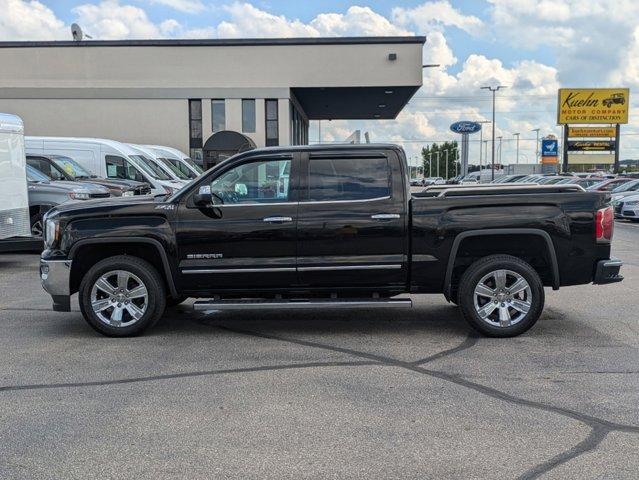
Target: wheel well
{"type": "Point", "coordinates": [88, 255]}
{"type": "Point", "coordinates": [533, 249]}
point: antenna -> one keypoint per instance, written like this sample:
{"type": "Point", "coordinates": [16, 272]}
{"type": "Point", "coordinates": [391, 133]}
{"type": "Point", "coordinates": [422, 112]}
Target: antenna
{"type": "Point", "coordinates": [78, 34]}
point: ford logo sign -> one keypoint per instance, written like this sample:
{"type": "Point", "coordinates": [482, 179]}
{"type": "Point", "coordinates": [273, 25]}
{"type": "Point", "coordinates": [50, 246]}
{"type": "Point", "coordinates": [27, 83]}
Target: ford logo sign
{"type": "Point", "coordinates": [465, 127]}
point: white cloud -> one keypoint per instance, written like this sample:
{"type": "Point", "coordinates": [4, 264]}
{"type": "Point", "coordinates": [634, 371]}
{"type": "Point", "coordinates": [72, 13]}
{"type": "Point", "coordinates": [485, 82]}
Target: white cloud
{"type": "Point", "coordinates": [249, 21]}
{"type": "Point", "coordinates": [30, 20]}
{"type": "Point", "coordinates": [186, 6]}
{"type": "Point", "coordinates": [109, 20]}
{"type": "Point", "coordinates": [431, 15]}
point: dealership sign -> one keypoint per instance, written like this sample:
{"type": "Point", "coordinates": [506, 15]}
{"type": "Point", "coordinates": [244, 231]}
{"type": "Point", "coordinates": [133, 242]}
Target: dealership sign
{"type": "Point", "coordinates": [591, 132]}
{"type": "Point", "coordinates": [549, 147]}
{"type": "Point", "coordinates": [465, 127]}
{"type": "Point", "coordinates": [591, 146]}
{"type": "Point", "coordinates": [593, 105]}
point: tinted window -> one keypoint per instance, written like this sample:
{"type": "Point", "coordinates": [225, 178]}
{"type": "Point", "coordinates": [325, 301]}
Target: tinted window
{"type": "Point", "coordinates": [248, 115]}
{"type": "Point", "coordinates": [348, 179]}
{"type": "Point", "coordinates": [218, 115]}
{"type": "Point", "coordinates": [258, 182]}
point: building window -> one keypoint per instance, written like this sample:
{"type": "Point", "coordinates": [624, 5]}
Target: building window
{"type": "Point", "coordinates": [195, 128]}
{"type": "Point", "coordinates": [299, 127]}
{"type": "Point", "coordinates": [248, 115]}
{"type": "Point", "coordinates": [218, 115]}
{"type": "Point", "coordinates": [272, 131]}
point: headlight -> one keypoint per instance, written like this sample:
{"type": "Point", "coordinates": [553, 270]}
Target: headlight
{"type": "Point", "coordinates": [79, 195]}
{"type": "Point", "coordinates": [51, 232]}
{"type": "Point", "coordinates": [128, 193]}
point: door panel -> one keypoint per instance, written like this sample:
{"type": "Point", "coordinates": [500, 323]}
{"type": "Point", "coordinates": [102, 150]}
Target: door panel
{"type": "Point", "coordinates": [352, 223]}
{"type": "Point", "coordinates": [249, 241]}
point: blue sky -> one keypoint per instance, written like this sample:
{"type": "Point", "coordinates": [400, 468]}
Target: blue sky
{"type": "Point", "coordinates": [533, 46]}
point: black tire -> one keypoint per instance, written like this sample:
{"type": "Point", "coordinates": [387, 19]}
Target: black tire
{"type": "Point", "coordinates": [175, 301]}
{"type": "Point", "coordinates": [535, 298]}
{"type": "Point", "coordinates": [155, 301]}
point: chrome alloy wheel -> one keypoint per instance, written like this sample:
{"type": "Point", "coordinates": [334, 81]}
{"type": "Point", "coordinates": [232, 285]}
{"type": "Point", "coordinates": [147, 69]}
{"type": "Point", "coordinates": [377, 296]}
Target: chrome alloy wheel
{"type": "Point", "coordinates": [502, 298]}
{"type": "Point", "coordinates": [119, 298]}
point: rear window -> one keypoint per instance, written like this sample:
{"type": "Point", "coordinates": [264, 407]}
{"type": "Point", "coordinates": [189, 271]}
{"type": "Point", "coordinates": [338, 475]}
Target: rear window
{"type": "Point", "coordinates": [334, 179]}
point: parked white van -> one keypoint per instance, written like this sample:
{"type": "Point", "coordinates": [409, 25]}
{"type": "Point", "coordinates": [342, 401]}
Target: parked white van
{"type": "Point", "coordinates": [105, 158]}
{"type": "Point", "coordinates": [167, 168]}
{"type": "Point", "coordinates": [14, 196]}
{"type": "Point", "coordinates": [180, 159]}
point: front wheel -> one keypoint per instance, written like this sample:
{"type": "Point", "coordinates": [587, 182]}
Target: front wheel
{"type": "Point", "coordinates": [122, 296]}
{"type": "Point", "coordinates": [501, 296]}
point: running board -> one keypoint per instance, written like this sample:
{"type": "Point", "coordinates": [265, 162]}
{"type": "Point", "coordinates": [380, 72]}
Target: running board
{"type": "Point", "coordinates": [206, 305]}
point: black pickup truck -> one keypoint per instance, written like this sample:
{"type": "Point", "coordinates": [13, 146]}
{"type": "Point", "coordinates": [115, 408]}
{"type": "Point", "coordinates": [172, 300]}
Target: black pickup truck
{"type": "Point", "coordinates": [326, 227]}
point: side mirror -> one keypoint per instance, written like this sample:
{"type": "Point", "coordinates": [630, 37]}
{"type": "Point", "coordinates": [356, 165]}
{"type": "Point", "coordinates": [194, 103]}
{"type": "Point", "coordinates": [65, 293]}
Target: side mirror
{"type": "Point", "coordinates": [201, 199]}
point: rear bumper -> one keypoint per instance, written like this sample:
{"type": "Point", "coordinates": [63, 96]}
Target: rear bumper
{"type": "Point", "coordinates": [55, 276]}
{"type": "Point", "coordinates": [608, 271]}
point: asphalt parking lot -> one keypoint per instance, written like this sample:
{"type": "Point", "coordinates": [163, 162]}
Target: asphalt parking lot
{"type": "Point", "coordinates": [332, 394]}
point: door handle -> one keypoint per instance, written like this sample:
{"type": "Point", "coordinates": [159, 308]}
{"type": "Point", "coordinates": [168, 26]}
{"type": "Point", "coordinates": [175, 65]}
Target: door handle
{"type": "Point", "coordinates": [385, 216]}
{"type": "Point", "coordinates": [277, 219]}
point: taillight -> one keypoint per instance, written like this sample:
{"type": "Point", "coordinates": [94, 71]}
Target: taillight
{"type": "Point", "coordinates": [604, 225]}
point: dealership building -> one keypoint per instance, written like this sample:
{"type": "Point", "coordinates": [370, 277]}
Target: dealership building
{"type": "Point", "coordinates": [211, 98]}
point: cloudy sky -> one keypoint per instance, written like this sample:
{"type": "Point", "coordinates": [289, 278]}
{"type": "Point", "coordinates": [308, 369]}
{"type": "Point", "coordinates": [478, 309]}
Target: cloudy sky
{"type": "Point", "coordinates": [531, 46]}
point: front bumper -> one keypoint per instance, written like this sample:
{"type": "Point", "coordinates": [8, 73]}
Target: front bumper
{"type": "Point", "coordinates": [55, 276]}
{"type": "Point", "coordinates": [608, 271]}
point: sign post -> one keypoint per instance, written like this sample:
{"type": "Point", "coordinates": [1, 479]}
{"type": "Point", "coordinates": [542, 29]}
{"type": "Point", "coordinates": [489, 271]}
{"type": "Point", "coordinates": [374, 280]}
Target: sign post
{"type": "Point", "coordinates": [465, 128]}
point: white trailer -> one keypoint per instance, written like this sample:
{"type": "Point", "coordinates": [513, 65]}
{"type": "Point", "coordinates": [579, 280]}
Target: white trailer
{"type": "Point", "coordinates": [14, 195]}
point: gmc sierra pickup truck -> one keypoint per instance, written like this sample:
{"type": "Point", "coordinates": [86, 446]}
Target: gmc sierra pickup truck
{"type": "Point", "coordinates": [326, 227]}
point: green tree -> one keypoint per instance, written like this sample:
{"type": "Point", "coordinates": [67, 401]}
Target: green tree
{"type": "Point", "coordinates": [432, 152]}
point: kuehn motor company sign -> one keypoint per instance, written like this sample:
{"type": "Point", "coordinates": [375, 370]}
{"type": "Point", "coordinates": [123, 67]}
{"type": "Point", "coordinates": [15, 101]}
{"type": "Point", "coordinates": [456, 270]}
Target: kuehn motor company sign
{"type": "Point", "coordinates": [593, 105]}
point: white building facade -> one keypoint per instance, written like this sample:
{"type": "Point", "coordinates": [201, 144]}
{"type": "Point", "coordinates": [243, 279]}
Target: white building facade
{"type": "Point", "coordinates": [211, 98]}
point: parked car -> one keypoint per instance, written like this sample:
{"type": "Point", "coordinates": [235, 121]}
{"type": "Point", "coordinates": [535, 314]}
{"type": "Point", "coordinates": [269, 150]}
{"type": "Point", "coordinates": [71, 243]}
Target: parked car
{"type": "Point", "coordinates": [627, 207]}
{"type": "Point", "coordinates": [609, 184]}
{"type": "Point", "coordinates": [106, 159]}
{"type": "Point", "coordinates": [416, 182]}
{"type": "Point", "coordinates": [45, 194]}
{"type": "Point", "coordinates": [625, 190]}
{"type": "Point", "coordinates": [59, 167]}
{"type": "Point", "coordinates": [434, 181]}
{"type": "Point", "coordinates": [351, 236]}
{"type": "Point", "coordinates": [508, 178]}
{"type": "Point", "coordinates": [468, 181]}
{"type": "Point", "coordinates": [158, 164]}
{"type": "Point", "coordinates": [14, 197]}
{"type": "Point", "coordinates": [583, 182]}
{"type": "Point", "coordinates": [177, 158]}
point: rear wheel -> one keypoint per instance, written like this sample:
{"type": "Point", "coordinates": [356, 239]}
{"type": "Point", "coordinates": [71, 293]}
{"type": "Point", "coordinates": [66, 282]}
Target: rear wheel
{"type": "Point", "coordinates": [122, 296]}
{"type": "Point", "coordinates": [501, 296]}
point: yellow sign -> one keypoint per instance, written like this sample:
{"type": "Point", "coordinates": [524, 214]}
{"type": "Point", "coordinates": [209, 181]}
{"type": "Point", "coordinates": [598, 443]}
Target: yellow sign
{"type": "Point", "coordinates": [591, 132]}
{"type": "Point", "coordinates": [593, 105]}
{"type": "Point", "coordinates": [591, 158]}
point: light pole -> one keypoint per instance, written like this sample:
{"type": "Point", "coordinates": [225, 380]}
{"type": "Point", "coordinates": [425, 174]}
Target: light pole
{"type": "Point", "coordinates": [499, 137]}
{"type": "Point", "coordinates": [493, 90]}
{"type": "Point", "coordinates": [517, 157]}
{"type": "Point", "coordinates": [437, 152]}
{"type": "Point", "coordinates": [446, 164]}
{"type": "Point", "coordinates": [536, 145]}
{"type": "Point", "coordinates": [481, 138]}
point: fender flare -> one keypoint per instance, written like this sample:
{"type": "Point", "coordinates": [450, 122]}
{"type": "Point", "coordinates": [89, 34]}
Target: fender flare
{"type": "Point", "coordinates": [150, 241]}
{"type": "Point", "coordinates": [501, 231]}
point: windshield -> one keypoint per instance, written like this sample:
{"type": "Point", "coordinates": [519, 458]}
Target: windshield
{"type": "Point", "coordinates": [71, 167]}
{"type": "Point", "coordinates": [193, 165]}
{"type": "Point", "coordinates": [34, 175]}
{"type": "Point", "coordinates": [626, 187]}
{"type": "Point", "coordinates": [150, 167]}
{"type": "Point", "coordinates": [174, 168]}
